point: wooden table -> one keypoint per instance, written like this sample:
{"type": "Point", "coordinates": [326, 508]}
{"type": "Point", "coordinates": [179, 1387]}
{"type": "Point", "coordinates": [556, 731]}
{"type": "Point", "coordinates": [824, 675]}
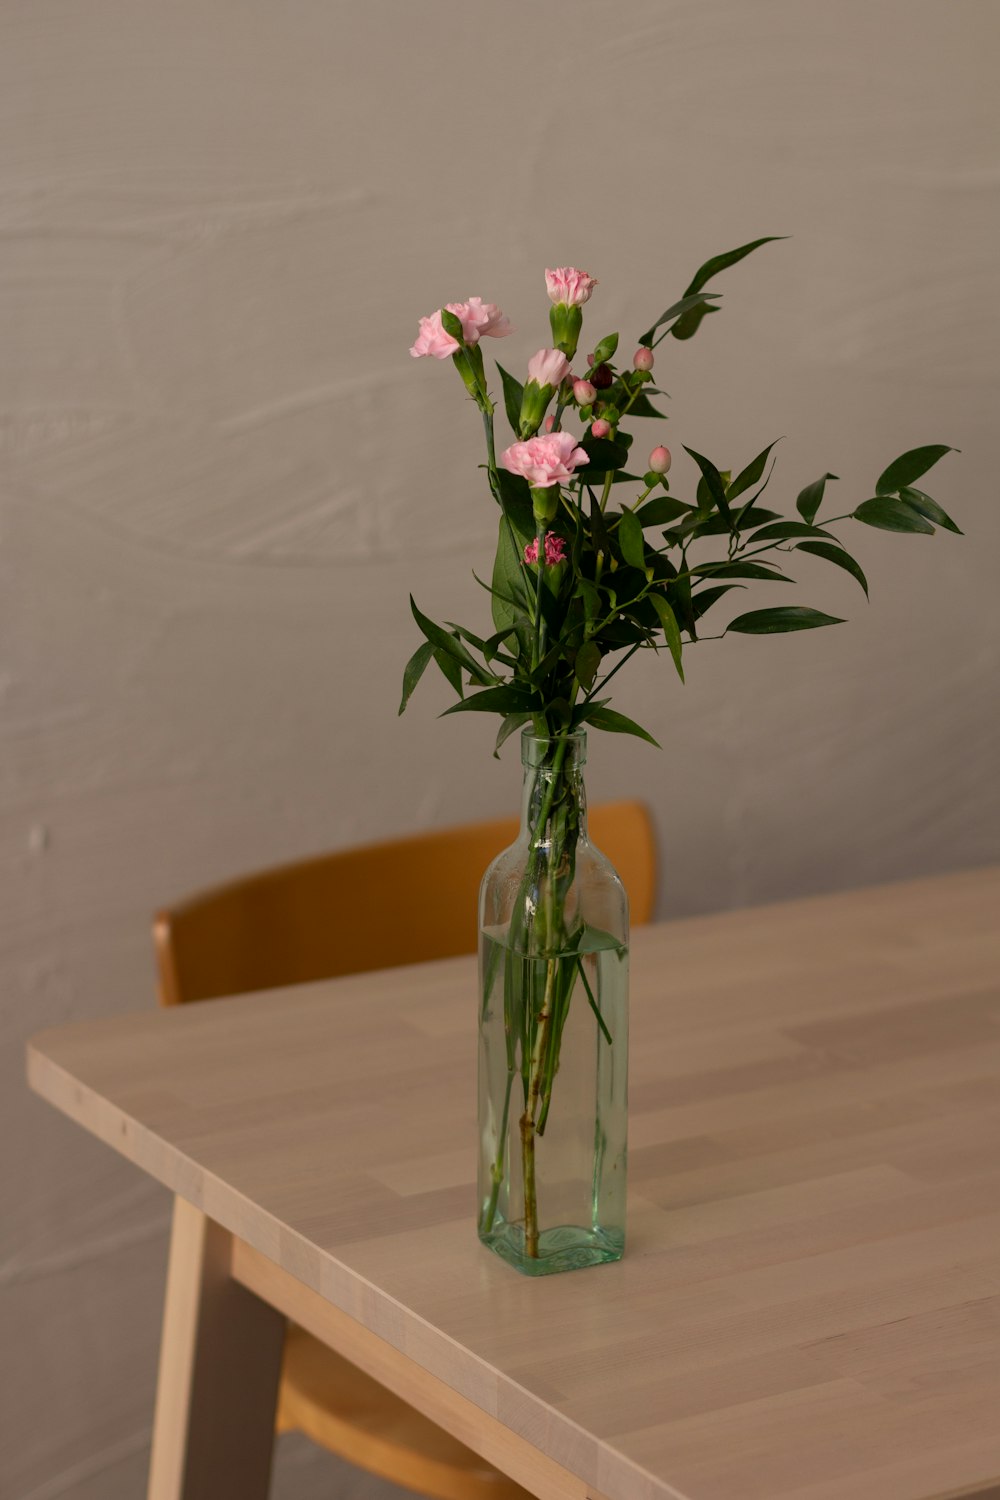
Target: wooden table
{"type": "Point", "coordinates": [809, 1305]}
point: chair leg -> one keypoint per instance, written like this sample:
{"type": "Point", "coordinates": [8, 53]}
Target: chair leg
{"type": "Point", "coordinates": [220, 1363]}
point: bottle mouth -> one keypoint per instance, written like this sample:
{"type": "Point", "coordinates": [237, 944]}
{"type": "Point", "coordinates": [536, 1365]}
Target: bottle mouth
{"type": "Point", "coordinates": [541, 751]}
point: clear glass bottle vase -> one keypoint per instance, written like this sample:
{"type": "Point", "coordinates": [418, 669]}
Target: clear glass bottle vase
{"type": "Point", "coordinates": [553, 1029]}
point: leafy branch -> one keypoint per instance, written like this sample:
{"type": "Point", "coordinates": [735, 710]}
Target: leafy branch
{"type": "Point", "coordinates": [641, 574]}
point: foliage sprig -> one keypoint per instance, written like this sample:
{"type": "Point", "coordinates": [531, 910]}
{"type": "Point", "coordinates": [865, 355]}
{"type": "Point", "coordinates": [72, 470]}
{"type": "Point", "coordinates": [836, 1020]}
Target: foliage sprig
{"type": "Point", "coordinates": [582, 579]}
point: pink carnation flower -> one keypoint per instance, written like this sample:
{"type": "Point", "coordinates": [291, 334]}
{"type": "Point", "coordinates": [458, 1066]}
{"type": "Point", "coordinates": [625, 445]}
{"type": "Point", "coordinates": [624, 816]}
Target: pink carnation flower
{"type": "Point", "coordinates": [548, 367]}
{"type": "Point", "coordinates": [544, 461]}
{"type": "Point", "coordinates": [480, 319]}
{"type": "Point", "coordinates": [433, 340]}
{"type": "Point", "coordinates": [555, 550]}
{"type": "Point", "coordinates": [567, 284]}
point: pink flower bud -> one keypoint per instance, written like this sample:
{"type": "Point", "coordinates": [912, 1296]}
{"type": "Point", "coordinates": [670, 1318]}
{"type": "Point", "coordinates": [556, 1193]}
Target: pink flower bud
{"type": "Point", "coordinates": [433, 340]}
{"type": "Point", "coordinates": [584, 393]}
{"type": "Point", "coordinates": [555, 550]}
{"type": "Point", "coordinates": [549, 423]}
{"type": "Point", "coordinates": [548, 367]}
{"type": "Point", "coordinates": [567, 284]}
{"type": "Point", "coordinates": [659, 460]}
{"type": "Point", "coordinates": [600, 428]}
{"type": "Point", "coordinates": [642, 359]}
{"type": "Point", "coordinates": [478, 318]}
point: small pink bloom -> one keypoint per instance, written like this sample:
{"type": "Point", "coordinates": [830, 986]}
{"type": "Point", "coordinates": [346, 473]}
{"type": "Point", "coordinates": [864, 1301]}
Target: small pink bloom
{"type": "Point", "coordinates": [584, 393]}
{"type": "Point", "coordinates": [659, 460]}
{"type": "Point", "coordinates": [480, 319]}
{"type": "Point", "coordinates": [433, 340]}
{"type": "Point", "coordinates": [642, 359]}
{"type": "Point", "coordinates": [544, 461]}
{"type": "Point", "coordinates": [555, 550]}
{"type": "Point", "coordinates": [550, 422]}
{"type": "Point", "coordinates": [600, 428]}
{"type": "Point", "coordinates": [548, 367]}
{"type": "Point", "coordinates": [567, 284]}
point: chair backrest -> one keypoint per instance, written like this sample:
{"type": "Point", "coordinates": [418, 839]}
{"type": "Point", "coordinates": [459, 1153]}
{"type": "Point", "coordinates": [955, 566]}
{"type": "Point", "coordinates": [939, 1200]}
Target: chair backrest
{"type": "Point", "coordinates": [372, 907]}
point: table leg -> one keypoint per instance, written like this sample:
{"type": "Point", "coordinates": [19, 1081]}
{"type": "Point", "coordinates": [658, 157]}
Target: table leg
{"type": "Point", "coordinates": [220, 1362]}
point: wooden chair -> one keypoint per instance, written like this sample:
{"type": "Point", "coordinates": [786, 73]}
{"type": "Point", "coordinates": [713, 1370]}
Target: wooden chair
{"type": "Point", "coordinates": [318, 919]}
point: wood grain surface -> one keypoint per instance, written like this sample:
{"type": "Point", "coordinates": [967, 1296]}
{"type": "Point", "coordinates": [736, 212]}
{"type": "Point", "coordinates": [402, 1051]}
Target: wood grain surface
{"type": "Point", "coordinates": [809, 1305]}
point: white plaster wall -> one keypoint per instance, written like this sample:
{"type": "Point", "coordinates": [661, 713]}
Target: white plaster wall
{"type": "Point", "coordinates": [221, 473]}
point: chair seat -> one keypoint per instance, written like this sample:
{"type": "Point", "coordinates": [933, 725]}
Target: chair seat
{"type": "Point", "coordinates": [339, 1406]}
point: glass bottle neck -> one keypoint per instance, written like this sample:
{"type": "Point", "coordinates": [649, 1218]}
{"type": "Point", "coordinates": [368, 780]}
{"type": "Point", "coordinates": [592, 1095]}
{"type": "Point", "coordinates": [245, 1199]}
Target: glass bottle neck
{"type": "Point", "coordinates": [553, 791]}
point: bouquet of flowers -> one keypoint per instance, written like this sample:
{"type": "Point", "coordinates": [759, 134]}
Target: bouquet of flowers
{"type": "Point", "coordinates": [597, 558]}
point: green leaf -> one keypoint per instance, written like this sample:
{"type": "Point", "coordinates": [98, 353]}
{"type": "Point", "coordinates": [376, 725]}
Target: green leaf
{"type": "Point", "coordinates": [446, 642]}
{"type": "Point", "coordinates": [909, 466]}
{"type": "Point", "coordinates": [687, 326]}
{"type": "Point", "coordinates": [712, 525]}
{"type": "Point", "coordinates": [588, 659]}
{"type": "Point", "coordinates": [507, 579]}
{"type": "Point", "coordinates": [771, 621]}
{"type": "Point", "coordinates": [466, 635]}
{"type": "Point", "coordinates": [661, 510]}
{"type": "Point", "coordinates": [892, 515]}
{"type": "Point", "coordinates": [783, 531]}
{"type": "Point", "coordinates": [491, 646]}
{"type": "Point", "coordinates": [738, 569]}
{"type": "Point", "coordinates": [925, 506]}
{"type": "Point", "coordinates": [811, 498]}
{"type": "Point", "coordinates": [643, 407]}
{"type": "Point", "coordinates": [513, 391]}
{"type": "Point", "coordinates": [604, 350]}
{"type": "Point", "coordinates": [450, 670]}
{"type": "Point", "coordinates": [728, 258]}
{"type": "Point", "coordinates": [598, 530]}
{"type": "Point", "coordinates": [591, 1001]}
{"type": "Point", "coordinates": [509, 699]}
{"type": "Point", "coordinates": [588, 592]}
{"type": "Point", "coordinates": [615, 723]}
{"type": "Point", "coordinates": [835, 554]}
{"type": "Point", "coordinates": [714, 482]}
{"type": "Point", "coordinates": [749, 476]}
{"type": "Point", "coordinates": [452, 325]}
{"type": "Point", "coordinates": [515, 502]}
{"type": "Point", "coordinates": [602, 455]}
{"type": "Point", "coordinates": [702, 601]}
{"type": "Point", "coordinates": [414, 670]}
{"type": "Point", "coordinates": [596, 940]}
{"type": "Point", "coordinates": [679, 599]}
{"type": "Point", "coordinates": [510, 725]}
{"type": "Point", "coordinates": [677, 310]}
{"type": "Point", "coordinates": [630, 540]}
{"type": "Point", "coordinates": [671, 630]}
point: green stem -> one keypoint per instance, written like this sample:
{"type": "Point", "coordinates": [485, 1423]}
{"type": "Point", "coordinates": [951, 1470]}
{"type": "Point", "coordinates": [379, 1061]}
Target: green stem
{"type": "Point", "coordinates": [496, 1171]}
{"type": "Point", "coordinates": [491, 456]}
{"type": "Point", "coordinates": [608, 676]}
{"type": "Point", "coordinates": [528, 1124]}
{"type": "Point", "coordinates": [633, 393]}
{"type": "Point", "coordinates": [537, 651]}
{"type": "Point", "coordinates": [519, 931]}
